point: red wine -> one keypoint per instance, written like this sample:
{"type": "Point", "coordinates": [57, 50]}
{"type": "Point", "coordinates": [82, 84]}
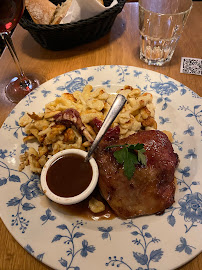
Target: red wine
{"type": "Point", "coordinates": [10, 14]}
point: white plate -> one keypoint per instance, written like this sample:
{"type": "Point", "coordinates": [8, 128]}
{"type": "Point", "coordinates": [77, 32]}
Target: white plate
{"type": "Point", "coordinates": [65, 242]}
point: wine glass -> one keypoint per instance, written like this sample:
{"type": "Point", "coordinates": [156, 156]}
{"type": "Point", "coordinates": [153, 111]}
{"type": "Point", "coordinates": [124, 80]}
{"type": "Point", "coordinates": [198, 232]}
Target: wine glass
{"type": "Point", "coordinates": [10, 14]}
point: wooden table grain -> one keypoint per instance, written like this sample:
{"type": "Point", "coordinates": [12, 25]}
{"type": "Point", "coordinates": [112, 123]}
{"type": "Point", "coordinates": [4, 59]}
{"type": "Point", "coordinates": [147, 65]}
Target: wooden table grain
{"type": "Point", "coordinates": [119, 47]}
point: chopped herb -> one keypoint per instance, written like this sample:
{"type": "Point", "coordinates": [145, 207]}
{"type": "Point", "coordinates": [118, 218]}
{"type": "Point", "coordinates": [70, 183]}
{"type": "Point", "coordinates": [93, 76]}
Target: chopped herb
{"type": "Point", "coordinates": [130, 155]}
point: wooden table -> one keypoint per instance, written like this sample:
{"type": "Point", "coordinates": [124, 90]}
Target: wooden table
{"type": "Point", "coordinates": [120, 46]}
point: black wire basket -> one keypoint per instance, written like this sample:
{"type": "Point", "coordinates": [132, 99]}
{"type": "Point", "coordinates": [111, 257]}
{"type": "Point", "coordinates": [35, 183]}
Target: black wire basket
{"type": "Point", "coordinates": [63, 36]}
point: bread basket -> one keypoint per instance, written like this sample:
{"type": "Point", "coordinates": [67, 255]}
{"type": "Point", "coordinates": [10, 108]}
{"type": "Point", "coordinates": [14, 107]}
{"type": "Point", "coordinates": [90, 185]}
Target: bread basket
{"type": "Point", "coordinates": [63, 36]}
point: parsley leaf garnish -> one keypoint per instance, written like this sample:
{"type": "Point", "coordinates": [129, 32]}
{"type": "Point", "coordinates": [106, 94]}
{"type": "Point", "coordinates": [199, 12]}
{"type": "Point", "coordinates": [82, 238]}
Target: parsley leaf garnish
{"type": "Point", "coordinates": [130, 155]}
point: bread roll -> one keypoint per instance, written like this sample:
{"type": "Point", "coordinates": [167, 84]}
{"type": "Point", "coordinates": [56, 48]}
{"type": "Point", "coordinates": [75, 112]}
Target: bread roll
{"type": "Point", "coordinates": [45, 12]}
{"type": "Point", "coordinates": [60, 12]}
{"type": "Point", "coordinates": [101, 2]}
{"type": "Point", "coordinates": [62, 9]}
{"type": "Point", "coordinates": [41, 11]}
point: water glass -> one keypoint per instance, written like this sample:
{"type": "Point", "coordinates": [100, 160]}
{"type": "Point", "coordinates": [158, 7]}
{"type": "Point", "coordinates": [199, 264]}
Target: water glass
{"type": "Point", "coordinates": [161, 23]}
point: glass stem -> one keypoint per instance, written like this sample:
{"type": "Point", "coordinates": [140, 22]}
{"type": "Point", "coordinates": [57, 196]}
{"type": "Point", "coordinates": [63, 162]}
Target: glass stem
{"type": "Point", "coordinates": [8, 41]}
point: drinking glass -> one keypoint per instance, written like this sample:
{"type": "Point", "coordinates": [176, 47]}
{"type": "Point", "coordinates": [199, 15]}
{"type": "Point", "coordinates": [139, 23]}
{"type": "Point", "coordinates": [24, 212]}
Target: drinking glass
{"type": "Point", "coordinates": [161, 23]}
{"type": "Point", "coordinates": [10, 14]}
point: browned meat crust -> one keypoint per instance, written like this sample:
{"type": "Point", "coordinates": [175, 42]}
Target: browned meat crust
{"type": "Point", "coordinates": [152, 188]}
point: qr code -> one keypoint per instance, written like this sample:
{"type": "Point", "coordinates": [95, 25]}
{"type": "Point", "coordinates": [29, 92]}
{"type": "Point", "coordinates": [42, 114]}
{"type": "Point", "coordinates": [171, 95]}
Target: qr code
{"type": "Point", "coordinates": [191, 66]}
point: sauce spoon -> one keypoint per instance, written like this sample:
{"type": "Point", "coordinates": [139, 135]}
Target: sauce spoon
{"type": "Point", "coordinates": [116, 107]}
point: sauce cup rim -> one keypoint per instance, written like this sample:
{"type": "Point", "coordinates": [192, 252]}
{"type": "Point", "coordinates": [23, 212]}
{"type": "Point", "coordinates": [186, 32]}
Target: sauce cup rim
{"type": "Point", "coordinates": [69, 200]}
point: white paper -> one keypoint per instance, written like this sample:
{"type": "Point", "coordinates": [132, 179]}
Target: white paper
{"type": "Point", "coordinates": [84, 9]}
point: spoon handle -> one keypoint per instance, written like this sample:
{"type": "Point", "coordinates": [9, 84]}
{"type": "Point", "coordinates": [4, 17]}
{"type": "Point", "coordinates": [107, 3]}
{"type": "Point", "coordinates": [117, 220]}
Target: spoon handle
{"type": "Point", "coordinates": [116, 107]}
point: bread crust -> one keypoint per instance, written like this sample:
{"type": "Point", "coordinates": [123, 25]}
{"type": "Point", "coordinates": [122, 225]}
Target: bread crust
{"type": "Point", "coordinates": [60, 12]}
{"type": "Point", "coordinates": [101, 2]}
{"type": "Point", "coordinates": [41, 11]}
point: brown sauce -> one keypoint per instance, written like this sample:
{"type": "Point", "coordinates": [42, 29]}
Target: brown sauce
{"type": "Point", "coordinates": [82, 210]}
{"type": "Point", "coordinates": [69, 175]}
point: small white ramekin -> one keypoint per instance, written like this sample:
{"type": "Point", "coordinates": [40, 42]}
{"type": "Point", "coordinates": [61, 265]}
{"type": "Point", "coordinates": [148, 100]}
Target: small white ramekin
{"type": "Point", "coordinates": [77, 198]}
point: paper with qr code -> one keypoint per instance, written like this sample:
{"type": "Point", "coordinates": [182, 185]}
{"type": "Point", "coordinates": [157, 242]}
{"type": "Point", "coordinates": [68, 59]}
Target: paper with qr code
{"type": "Point", "coordinates": [191, 66]}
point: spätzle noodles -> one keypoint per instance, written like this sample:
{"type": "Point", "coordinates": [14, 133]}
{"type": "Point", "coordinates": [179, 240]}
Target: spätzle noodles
{"type": "Point", "coordinates": [138, 113]}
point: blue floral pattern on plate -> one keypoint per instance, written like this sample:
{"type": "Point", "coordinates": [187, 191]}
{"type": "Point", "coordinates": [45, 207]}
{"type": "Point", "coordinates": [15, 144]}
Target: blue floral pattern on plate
{"type": "Point", "coordinates": [150, 242]}
{"type": "Point", "coordinates": [183, 246]}
{"type": "Point", "coordinates": [70, 236]}
{"type": "Point", "coordinates": [144, 240]}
